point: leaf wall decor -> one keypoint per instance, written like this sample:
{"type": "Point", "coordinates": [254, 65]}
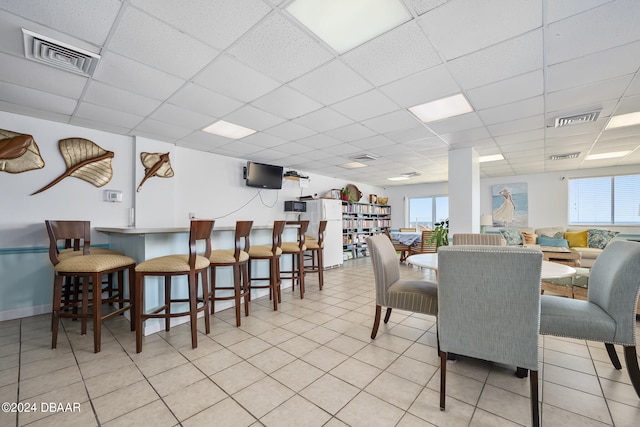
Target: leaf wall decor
{"type": "Point", "coordinates": [85, 160]}
{"type": "Point", "coordinates": [18, 152]}
{"type": "Point", "coordinates": [155, 164]}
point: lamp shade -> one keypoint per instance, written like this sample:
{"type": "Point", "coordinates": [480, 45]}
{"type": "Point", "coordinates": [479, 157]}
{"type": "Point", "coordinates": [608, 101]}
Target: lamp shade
{"type": "Point", "coordinates": [486, 219]}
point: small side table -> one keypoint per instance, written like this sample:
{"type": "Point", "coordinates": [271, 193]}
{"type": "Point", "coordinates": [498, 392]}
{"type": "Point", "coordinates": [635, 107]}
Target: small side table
{"type": "Point", "coordinates": [571, 259]}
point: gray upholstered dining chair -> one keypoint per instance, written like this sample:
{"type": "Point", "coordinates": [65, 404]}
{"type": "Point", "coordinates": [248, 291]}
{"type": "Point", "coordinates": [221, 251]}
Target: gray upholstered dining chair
{"type": "Point", "coordinates": [419, 296]}
{"type": "Point", "coordinates": [479, 239]}
{"type": "Point", "coordinates": [489, 308]}
{"type": "Point", "coordinates": [609, 314]}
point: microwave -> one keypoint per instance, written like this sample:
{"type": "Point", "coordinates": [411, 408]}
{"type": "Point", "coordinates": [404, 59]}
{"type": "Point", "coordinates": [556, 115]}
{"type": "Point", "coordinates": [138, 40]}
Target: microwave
{"type": "Point", "coordinates": [295, 206]}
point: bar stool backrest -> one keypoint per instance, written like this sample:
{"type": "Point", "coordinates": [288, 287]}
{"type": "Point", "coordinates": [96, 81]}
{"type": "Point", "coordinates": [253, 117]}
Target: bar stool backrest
{"type": "Point", "coordinates": [69, 231]}
{"type": "Point", "coordinates": [200, 229]}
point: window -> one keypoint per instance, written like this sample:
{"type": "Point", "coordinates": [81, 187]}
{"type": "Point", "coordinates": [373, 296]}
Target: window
{"type": "Point", "coordinates": [424, 211]}
{"type": "Point", "coordinates": [605, 200]}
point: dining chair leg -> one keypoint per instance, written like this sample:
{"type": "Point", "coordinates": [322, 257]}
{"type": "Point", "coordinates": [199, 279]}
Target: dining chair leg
{"type": "Point", "coordinates": [85, 304]}
{"type": "Point", "coordinates": [613, 356]}
{"type": "Point", "coordinates": [301, 273]}
{"type": "Point", "coordinates": [376, 322]}
{"type": "Point", "coordinates": [167, 302]}
{"type": "Point", "coordinates": [535, 411]}
{"type": "Point", "coordinates": [236, 285]}
{"type": "Point", "coordinates": [212, 290]}
{"type": "Point", "coordinates": [97, 312]}
{"type": "Point", "coordinates": [320, 269]}
{"type": "Point", "coordinates": [193, 306]}
{"type": "Point", "coordinates": [132, 292]}
{"type": "Point", "coordinates": [245, 288]}
{"type": "Point", "coordinates": [631, 359]}
{"type": "Point", "coordinates": [272, 282]}
{"type": "Point", "coordinates": [443, 378]}
{"type": "Point", "coordinates": [55, 320]}
{"type": "Point", "coordinates": [139, 311]}
{"type": "Point", "coordinates": [387, 315]}
{"type": "Point", "coordinates": [205, 300]}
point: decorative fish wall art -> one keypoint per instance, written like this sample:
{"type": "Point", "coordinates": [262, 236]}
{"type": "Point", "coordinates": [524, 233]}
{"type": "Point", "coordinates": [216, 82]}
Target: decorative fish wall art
{"type": "Point", "coordinates": [155, 164]}
{"type": "Point", "coordinates": [85, 160]}
{"type": "Point", "coordinates": [18, 152]}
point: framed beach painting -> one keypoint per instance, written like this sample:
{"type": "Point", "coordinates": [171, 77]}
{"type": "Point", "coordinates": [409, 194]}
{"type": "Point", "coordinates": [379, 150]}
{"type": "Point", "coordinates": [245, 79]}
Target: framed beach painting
{"type": "Point", "coordinates": [510, 205]}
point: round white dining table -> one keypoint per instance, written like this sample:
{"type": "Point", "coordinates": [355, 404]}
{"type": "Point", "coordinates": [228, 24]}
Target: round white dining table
{"type": "Point", "coordinates": [550, 270]}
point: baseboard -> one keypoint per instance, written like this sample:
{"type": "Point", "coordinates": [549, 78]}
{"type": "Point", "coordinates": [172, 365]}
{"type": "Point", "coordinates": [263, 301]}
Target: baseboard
{"type": "Point", "coordinates": [18, 313]}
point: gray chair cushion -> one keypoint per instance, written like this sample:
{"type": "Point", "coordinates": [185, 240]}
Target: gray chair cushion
{"type": "Point", "coordinates": [575, 319]}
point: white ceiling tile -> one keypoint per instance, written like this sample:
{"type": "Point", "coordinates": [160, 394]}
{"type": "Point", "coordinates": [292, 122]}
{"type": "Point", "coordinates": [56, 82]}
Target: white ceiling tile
{"type": "Point", "coordinates": [423, 6]}
{"type": "Point", "coordinates": [217, 23]}
{"type": "Point", "coordinates": [36, 99]}
{"type": "Point", "coordinates": [197, 98]}
{"type": "Point", "coordinates": [88, 20]}
{"type": "Point", "coordinates": [610, 25]}
{"type": "Point", "coordinates": [507, 91]}
{"type": "Point", "coordinates": [521, 146]}
{"type": "Point", "coordinates": [592, 68]}
{"type": "Point", "coordinates": [40, 77]}
{"type": "Point", "coordinates": [135, 77]}
{"type": "Point", "coordinates": [290, 131]}
{"type": "Point", "coordinates": [179, 116]}
{"type": "Point", "coordinates": [581, 129]}
{"type": "Point", "coordinates": [286, 102]}
{"type": "Point", "coordinates": [160, 130]}
{"type": "Point", "coordinates": [373, 142]}
{"type": "Point", "coordinates": [341, 149]}
{"type": "Point", "coordinates": [514, 110]}
{"type": "Point", "coordinates": [253, 118]}
{"type": "Point", "coordinates": [204, 141]}
{"type": "Point", "coordinates": [420, 88]}
{"type": "Point", "coordinates": [148, 40]}
{"type": "Point", "coordinates": [401, 52]}
{"type": "Point", "coordinates": [351, 132]}
{"type": "Point", "coordinates": [521, 137]}
{"type": "Point", "coordinates": [323, 120]}
{"type": "Point", "coordinates": [280, 49]}
{"type": "Point", "coordinates": [459, 27]}
{"type": "Point", "coordinates": [400, 119]}
{"type": "Point", "coordinates": [235, 80]}
{"type": "Point", "coordinates": [97, 113]}
{"type": "Point", "coordinates": [119, 99]}
{"type": "Point", "coordinates": [320, 141]}
{"type": "Point", "coordinates": [91, 124]}
{"type": "Point", "coordinates": [261, 139]}
{"type": "Point", "coordinates": [468, 135]}
{"type": "Point", "coordinates": [501, 61]}
{"type": "Point", "coordinates": [557, 10]}
{"type": "Point", "coordinates": [365, 106]}
{"type": "Point", "coordinates": [516, 126]}
{"type": "Point", "coordinates": [409, 134]}
{"type": "Point", "coordinates": [628, 104]}
{"type": "Point", "coordinates": [331, 82]}
{"type": "Point", "coordinates": [584, 98]}
{"type": "Point", "coordinates": [294, 148]}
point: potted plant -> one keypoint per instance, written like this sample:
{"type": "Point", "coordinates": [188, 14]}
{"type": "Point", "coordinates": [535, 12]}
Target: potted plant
{"type": "Point", "coordinates": [440, 234]}
{"type": "Point", "coordinates": [345, 194]}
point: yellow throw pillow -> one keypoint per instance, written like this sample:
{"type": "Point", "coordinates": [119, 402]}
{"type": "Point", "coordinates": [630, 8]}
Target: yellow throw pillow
{"type": "Point", "coordinates": [577, 239]}
{"type": "Point", "coordinates": [529, 238]}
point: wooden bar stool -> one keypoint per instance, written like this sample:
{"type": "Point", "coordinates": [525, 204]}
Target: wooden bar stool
{"type": "Point", "coordinates": [315, 249]}
{"type": "Point", "coordinates": [296, 250]}
{"type": "Point", "coordinates": [237, 258]}
{"type": "Point", "coordinates": [191, 265]}
{"type": "Point", "coordinates": [76, 265]}
{"type": "Point", "coordinates": [272, 254]}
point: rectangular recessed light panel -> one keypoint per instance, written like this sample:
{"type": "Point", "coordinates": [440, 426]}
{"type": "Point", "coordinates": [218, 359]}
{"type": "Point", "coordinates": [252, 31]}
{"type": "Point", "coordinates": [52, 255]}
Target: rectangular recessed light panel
{"type": "Point", "coordinates": [611, 155]}
{"type": "Point", "coordinates": [491, 158]}
{"type": "Point", "coordinates": [345, 24]}
{"type": "Point", "coordinates": [442, 108]}
{"type": "Point", "coordinates": [624, 120]}
{"type": "Point", "coordinates": [228, 130]}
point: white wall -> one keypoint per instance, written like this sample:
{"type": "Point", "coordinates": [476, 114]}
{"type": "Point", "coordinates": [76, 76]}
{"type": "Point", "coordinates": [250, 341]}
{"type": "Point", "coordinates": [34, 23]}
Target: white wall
{"type": "Point", "coordinates": [209, 185]}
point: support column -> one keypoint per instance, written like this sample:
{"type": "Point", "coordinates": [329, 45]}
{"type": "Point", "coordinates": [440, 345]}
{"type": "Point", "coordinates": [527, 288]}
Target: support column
{"type": "Point", "coordinates": [464, 191]}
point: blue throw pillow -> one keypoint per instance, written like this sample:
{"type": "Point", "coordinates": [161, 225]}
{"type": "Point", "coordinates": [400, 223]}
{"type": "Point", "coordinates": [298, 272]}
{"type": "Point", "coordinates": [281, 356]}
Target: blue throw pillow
{"type": "Point", "coordinates": [512, 236]}
{"type": "Point", "coordinates": [551, 241]}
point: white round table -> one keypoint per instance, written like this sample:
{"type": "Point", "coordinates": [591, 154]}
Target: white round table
{"type": "Point", "coordinates": [550, 270]}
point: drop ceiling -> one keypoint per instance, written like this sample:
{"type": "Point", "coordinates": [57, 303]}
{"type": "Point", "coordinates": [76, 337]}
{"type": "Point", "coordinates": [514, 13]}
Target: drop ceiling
{"type": "Point", "coordinates": [167, 69]}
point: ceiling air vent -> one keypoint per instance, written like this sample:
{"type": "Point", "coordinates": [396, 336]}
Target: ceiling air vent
{"type": "Point", "coordinates": [57, 54]}
{"type": "Point", "coordinates": [577, 119]}
{"type": "Point", "coordinates": [564, 156]}
{"type": "Point", "coordinates": [365, 157]}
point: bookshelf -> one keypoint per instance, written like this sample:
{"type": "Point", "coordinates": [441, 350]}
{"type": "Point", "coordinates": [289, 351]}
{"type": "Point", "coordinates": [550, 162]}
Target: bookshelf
{"type": "Point", "coordinates": [360, 220]}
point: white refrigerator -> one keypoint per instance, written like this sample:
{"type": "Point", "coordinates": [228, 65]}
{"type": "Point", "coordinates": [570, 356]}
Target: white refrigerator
{"type": "Point", "coordinates": [331, 211]}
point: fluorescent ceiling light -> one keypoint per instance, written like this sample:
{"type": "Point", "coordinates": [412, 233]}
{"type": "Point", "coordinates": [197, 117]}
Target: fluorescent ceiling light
{"type": "Point", "coordinates": [624, 120]}
{"type": "Point", "coordinates": [442, 108]}
{"type": "Point", "coordinates": [611, 155]}
{"type": "Point", "coordinates": [491, 158]}
{"type": "Point", "coordinates": [228, 130]}
{"type": "Point", "coordinates": [344, 25]}
{"type": "Point", "coordinates": [398, 178]}
{"type": "Point", "coordinates": [353, 165]}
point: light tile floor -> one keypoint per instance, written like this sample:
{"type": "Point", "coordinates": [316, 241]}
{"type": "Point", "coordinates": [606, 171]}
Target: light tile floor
{"type": "Point", "coordinates": [312, 363]}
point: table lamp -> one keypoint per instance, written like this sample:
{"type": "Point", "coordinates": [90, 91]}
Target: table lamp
{"type": "Point", "coordinates": [484, 221]}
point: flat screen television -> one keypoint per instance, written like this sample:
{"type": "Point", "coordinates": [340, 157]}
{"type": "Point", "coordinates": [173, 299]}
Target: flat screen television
{"type": "Point", "coordinates": [261, 175]}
